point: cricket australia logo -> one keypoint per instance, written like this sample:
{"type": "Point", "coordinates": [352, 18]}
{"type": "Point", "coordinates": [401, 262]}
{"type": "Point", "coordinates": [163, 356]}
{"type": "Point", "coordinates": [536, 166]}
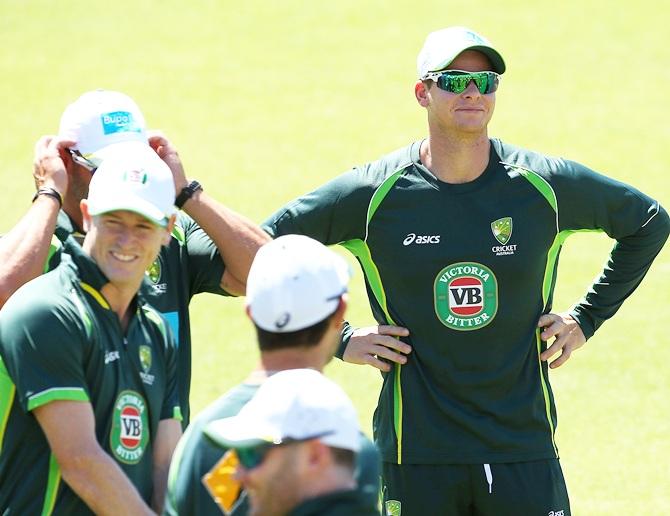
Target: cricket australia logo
{"type": "Point", "coordinates": [393, 508]}
{"type": "Point", "coordinates": [466, 296]}
{"type": "Point", "coordinates": [154, 271]}
{"type": "Point", "coordinates": [145, 362]}
{"type": "Point", "coordinates": [502, 231]}
{"type": "Point", "coordinates": [130, 428]}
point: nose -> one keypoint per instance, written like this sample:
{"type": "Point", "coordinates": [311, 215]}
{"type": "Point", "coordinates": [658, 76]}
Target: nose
{"type": "Point", "coordinates": [472, 90]}
{"type": "Point", "coordinates": [124, 237]}
{"type": "Point", "coordinates": [240, 473]}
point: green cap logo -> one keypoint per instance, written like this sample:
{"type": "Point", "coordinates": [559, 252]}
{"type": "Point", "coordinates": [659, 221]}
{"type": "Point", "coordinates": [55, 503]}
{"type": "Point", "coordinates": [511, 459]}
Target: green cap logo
{"type": "Point", "coordinates": [502, 229]}
{"type": "Point", "coordinates": [130, 428]}
{"type": "Point", "coordinates": [145, 357]}
{"type": "Point", "coordinates": [154, 271]}
{"type": "Point", "coordinates": [466, 296]}
{"type": "Point", "coordinates": [393, 507]}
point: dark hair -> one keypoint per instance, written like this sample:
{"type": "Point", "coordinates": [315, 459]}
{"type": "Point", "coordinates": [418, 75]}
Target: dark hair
{"type": "Point", "coordinates": [343, 457]}
{"type": "Point", "coordinates": [307, 337]}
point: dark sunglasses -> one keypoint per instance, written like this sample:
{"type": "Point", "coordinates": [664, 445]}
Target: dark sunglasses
{"type": "Point", "coordinates": [456, 81]}
{"type": "Point", "coordinates": [252, 456]}
{"type": "Point", "coordinates": [81, 160]}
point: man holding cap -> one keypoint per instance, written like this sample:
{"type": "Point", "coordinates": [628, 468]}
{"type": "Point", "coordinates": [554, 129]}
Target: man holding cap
{"type": "Point", "coordinates": [296, 300]}
{"type": "Point", "coordinates": [458, 236]}
{"type": "Point", "coordinates": [295, 444]}
{"type": "Point", "coordinates": [211, 247]}
{"type": "Point", "coordinates": [88, 370]}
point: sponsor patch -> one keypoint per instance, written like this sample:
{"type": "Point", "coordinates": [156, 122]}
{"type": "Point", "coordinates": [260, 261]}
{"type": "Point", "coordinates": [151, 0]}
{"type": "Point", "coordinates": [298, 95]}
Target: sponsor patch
{"type": "Point", "coordinates": [130, 428]}
{"type": "Point", "coordinates": [221, 484]}
{"type": "Point", "coordinates": [119, 122]}
{"type": "Point", "coordinates": [466, 296]}
{"type": "Point", "coordinates": [413, 238]}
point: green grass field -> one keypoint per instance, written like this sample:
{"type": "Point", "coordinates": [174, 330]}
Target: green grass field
{"type": "Point", "coordinates": [266, 100]}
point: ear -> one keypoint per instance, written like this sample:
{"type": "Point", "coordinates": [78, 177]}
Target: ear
{"type": "Point", "coordinates": [318, 454]}
{"type": "Point", "coordinates": [421, 93]}
{"type": "Point", "coordinates": [168, 229]}
{"type": "Point", "coordinates": [338, 316]}
{"type": "Point", "coordinates": [86, 217]}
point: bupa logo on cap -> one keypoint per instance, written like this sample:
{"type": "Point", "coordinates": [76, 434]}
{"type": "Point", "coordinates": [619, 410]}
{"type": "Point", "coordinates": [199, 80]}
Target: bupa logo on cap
{"type": "Point", "coordinates": [474, 37]}
{"type": "Point", "coordinates": [135, 176]}
{"type": "Point", "coordinates": [119, 122]}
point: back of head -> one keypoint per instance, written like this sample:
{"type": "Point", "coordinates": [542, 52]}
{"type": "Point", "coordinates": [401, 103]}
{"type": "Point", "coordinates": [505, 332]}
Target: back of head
{"type": "Point", "coordinates": [295, 284]}
{"type": "Point", "coordinates": [100, 120]}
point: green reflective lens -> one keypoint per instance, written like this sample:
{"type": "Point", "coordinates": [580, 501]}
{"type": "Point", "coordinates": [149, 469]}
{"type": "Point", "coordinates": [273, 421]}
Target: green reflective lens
{"type": "Point", "coordinates": [456, 81]}
{"type": "Point", "coordinates": [252, 457]}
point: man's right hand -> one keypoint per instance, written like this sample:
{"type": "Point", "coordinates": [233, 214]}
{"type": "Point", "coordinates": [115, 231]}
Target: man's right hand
{"type": "Point", "coordinates": [377, 346]}
{"type": "Point", "coordinates": [49, 169]}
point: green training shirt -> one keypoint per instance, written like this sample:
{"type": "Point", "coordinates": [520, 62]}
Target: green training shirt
{"type": "Point", "coordinates": [59, 340]}
{"type": "Point", "coordinates": [189, 265]}
{"type": "Point", "coordinates": [469, 269]}
{"type": "Point", "coordinates": [201, 474]}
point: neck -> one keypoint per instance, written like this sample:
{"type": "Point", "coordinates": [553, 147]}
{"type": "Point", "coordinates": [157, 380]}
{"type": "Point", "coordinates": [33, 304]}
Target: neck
{"type": "Point", "coordinates": [335, 479]}
{"type": "Point", "coordinates": [120, 299]}
{"type": "Point", "coordinates": [72, 209]}
{"type": "Point", "coordinates": [455, 159]}
{"type": "Point", "coordinates": [297, 358]}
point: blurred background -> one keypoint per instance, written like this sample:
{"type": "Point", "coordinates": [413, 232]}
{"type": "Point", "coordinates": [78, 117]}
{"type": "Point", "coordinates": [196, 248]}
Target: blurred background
{"type": "Point", "coordinates": [267, 100]}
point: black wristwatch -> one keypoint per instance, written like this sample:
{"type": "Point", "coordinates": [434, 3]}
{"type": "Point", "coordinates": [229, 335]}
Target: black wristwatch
{"type": "Point", "coordinates": [186, 193]}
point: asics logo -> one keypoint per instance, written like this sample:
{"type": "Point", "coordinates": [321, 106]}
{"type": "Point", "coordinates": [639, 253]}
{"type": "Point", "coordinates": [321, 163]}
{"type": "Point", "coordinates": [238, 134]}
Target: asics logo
{"type": "Point", "coordinates": [413, 238]}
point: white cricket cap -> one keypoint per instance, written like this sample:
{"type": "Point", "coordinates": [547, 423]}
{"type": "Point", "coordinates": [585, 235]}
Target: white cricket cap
{"type": "Point", "coordinates": [292, 405]}
{"type": "Point", "coordinates": [443, 46]}
{"type": "Point", "coordinates": [295, 282]}
{"type": "Point", "coordinates": [137, 181]}
{"type": "Point", "coordinates": [99, 120]}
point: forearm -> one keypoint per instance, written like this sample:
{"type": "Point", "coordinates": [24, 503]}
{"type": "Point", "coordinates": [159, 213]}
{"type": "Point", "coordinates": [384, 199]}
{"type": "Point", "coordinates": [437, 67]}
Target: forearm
{"type": "Point", "coordinates": [236, 237]}
{"type": "Point", "coordinates": [167, 437]}
{"type": "Point", "coordinates": [101, 483]}
{"type": "Point", "coordinates": [24, 250]}
{"type": "Point", "coordinates": [629, 261]}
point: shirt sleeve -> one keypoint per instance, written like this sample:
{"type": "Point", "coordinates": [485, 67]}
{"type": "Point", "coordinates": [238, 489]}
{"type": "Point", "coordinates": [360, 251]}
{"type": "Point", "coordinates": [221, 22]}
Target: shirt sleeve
{"type": "Point", "coordinates": [334, 213]}
{"type": "Point", "coordinates": [43, 348]}
{"type": "Point", "coordinates": [171, 407]}
{"type": "Point", "coordinates": [590, 201]}
{"type": "Point", "coordinates": [204, 264]}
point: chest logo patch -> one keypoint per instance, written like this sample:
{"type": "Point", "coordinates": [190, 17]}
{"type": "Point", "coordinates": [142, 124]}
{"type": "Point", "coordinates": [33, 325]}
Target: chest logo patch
{"type": "Point", "coordinates": [130, 428]}
{"type": "Point", "coordinates": [502, 229]}
{"type": "Point", "coordinates": [466, 296]}
{"type": "Point", "coordinates": [154, 271]}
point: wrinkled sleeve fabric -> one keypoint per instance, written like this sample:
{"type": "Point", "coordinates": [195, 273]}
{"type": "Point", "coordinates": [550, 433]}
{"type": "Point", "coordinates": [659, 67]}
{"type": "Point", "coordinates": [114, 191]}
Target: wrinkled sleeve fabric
{"type": "Point", "coordinates": [639, 224]}
{"type": "Point", "coordinates": [204, 265]}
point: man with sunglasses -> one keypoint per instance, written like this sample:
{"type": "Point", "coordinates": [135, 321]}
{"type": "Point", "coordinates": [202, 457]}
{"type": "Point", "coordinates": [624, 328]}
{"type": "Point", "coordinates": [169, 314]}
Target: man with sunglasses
{"type": "Point", "coordinates": [294, 444]}
{"type": "Point", "coordinates": [458, 236]}
{"type": "Point", "coordinates": [296, 300]}
{"type": "Point", "coordinates": [211, 247]}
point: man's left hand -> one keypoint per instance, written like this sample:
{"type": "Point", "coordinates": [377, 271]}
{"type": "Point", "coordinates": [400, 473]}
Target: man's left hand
{"type": "Point", "coordinates": [567, 334]}
{"type": "Point", "coordinates": [170, 156]}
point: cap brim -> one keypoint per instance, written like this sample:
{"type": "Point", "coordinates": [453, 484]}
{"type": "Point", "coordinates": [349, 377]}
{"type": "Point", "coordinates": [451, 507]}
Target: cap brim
{"type": "Point", "coordinates": [234, 432]}
{"type": "Point", "coordinates": [129, 203]}
{"type": "Point", "coordinates": [102, 154]}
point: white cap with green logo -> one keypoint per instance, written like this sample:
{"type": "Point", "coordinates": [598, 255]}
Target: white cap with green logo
{"type": "Point", "coordinates": [443, 46]}
{"type": "Point", "coordinates": [137, 181]}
